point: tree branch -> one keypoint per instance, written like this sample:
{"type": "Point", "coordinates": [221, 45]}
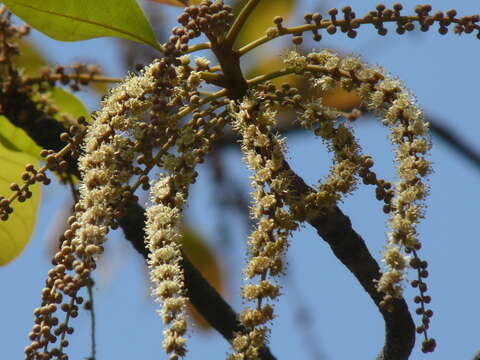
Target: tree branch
{"type": "Point", "coordinates": [439, 130]}
{"type": "Point", "coordinates": [45, 130]}
{"type": "Point", "coordinates": [453, 140]}
{"type": "Point", "coordinates": [216, 311]}
{"type": "Point", "coordinates": [349, 247]}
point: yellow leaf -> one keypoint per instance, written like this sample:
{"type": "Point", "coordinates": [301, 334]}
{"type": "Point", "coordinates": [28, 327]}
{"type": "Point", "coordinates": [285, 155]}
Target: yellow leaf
{"type": "Point", "coordinates": [69, 103]}
{"type": "Point", "coordinates": [202, 257]}
{"type": "Point", "coordinates": [31, 59]}
{"type": "Point", "coordinates": [341, 99]}
{"type": "Point", "coordinates": [262, 17]}
{"type": "Point", "coordinates": [179, 3]}
{"type": "Point", "coordinates": [17, 230]}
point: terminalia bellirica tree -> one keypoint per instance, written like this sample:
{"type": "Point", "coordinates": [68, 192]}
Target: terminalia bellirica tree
{"type": "Point", "coordinates": [156, 125]}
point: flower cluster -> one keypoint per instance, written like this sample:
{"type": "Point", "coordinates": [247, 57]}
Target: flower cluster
{"type": "Point", "coordinates": [409, 131]}
{"type": "Point", "coordinates": [264, 155]}
{"type": "Point", "coordinates": [168, 195]}
{"type": "Point", "coordinates": [387, 98]}
{"type": "Point", "coordinates": [106, 165]}
{"type": "Point", "coordinates": [341, 142]}
{"type": "Point", "coordinates": [137, 116]}
{"type": "Point", "coordinates": [165, 262]}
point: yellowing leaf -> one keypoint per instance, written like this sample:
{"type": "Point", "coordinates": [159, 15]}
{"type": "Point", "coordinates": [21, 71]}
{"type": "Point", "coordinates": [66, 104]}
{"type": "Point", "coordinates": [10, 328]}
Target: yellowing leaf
{"type": "Point", "coordinates": [17, 230]}
{"type": "Point", "coordinates": [31, 59]}
{"type": "Point", "coordinates": [73, 20]}
{"type": "Point", "coordinates": [16, 139]}
{"type": "Point", "coordinates": [68, 103]}
{"type": "Point", "coordinates": [179, 3]}
{"type": "Point", "coordinates": [262, 17]}
{"type": "Point", "coordinates": [205, 261]}
{"type": "Point", "coordinates": [341, 99]}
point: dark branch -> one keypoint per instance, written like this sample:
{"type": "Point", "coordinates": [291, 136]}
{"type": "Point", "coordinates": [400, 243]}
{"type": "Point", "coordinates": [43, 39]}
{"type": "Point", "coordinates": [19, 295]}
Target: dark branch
{"type": "Point", "coordinates": [453, 140]}
{"type": "Point", "coordinates": [348, 246]}
{"type": "Point", "coordinates": [202, 295]}
{"type": "Point", "coordinates": [439, 130]}
{"type": "Point", "coordinates": [42, 128]}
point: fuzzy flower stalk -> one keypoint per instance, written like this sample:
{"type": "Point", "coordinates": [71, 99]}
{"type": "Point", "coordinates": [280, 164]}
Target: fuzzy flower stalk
{"type": "Point", "coordinates": [168, 195]}
{"type": "Point", "coordinates": [108, 157]}
{"type": "Point", "coordinates": [388, 99]}
{"type": "Point", "coordinates": [409, 131]}
{"type": "Point", "coordinates": [106, 164]}
{"type": "Point", "coordinates": [163, 239]}
{"type": "Point", "coordinates": [340, 140]}
{"type": "Point", "coordinates": [264, 155]}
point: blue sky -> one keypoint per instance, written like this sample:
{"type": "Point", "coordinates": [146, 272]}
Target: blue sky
{"type": "Point", "coordinates": [443, 74]}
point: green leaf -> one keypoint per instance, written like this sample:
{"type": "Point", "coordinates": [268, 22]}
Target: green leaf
{"type": "Point", "coordinates": [16, 139]}
{"type": "Point", "coordinates": [17, 230]}
{"type": "Point", "coordinates": [73, 20]}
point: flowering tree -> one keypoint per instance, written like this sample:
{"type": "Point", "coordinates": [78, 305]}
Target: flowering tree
{"type": "Point", "coordinates": [155, 126]}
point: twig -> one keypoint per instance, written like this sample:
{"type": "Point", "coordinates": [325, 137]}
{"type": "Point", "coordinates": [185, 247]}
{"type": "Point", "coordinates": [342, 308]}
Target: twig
{"type": "Point", "coordinates": [338, 23]}
{"type": "Point", "coordinates": [85, 77]}
{"type": "Point", "coordinates": [198, 47]}
{"type": "Point", "coordinates": [453, 140]}
{"type": "Point", "coordinates": [92, 318]}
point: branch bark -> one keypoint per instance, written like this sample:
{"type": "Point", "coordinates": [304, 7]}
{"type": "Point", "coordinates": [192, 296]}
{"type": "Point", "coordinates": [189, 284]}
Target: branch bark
{"type": "Point", "coordinates": [348, 246]}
